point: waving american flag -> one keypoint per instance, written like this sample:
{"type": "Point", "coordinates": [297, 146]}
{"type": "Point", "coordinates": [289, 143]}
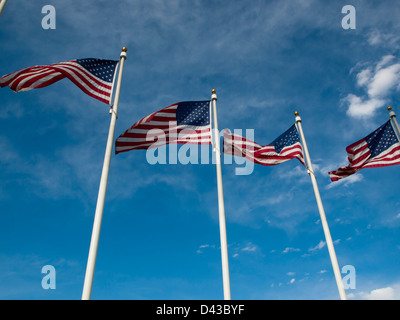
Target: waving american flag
{"type": "Point", "coordinates": [381, 148]}
{"type": "Point", "coordinates": [286, 147]}
{"type": "Point", "coordinates": [183, 122]}
{"type": "Point", "coordinates": [95, 77]}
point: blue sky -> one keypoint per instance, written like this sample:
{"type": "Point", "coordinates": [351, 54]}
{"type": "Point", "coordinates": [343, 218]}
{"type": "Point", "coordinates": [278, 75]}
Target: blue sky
{"type": "Point", "coordinates": [160, 232]}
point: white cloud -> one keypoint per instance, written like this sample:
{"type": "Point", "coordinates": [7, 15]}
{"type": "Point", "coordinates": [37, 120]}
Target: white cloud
{"type": "Point", "coordinates": [388, 292]}
{"type": "Point", "coordinates": [204, 246]}
{"type": "Point", "coordinates": [319, 246]}
{"type": "Point", "coordinates": [249, 248]}
{"type": "Point", "coordinates": [378, 82]}
{"type": "Point", "coordinates": [287, 250]}
{"type": "Point", "coordinates": [384, 61]}
{"type": "Point", "coordinates": [381, 294]}
{"type": "Point", "coordinates": [385, 79]}
{"type": "Point", "coordinates": [363, 77]}
{"type": "Point", "coordinates": [359, 108]}
{"type": "Point", "coordinates": [346, 182]}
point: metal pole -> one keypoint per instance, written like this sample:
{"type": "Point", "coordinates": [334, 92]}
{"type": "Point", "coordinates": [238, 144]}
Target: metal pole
{"type": "Point", "coordinates": [94, 243]}
{"type": "Point", "coordinates": [2, 5]}
{"type": "Point", "coordinates": [324, 222]}
{"type": "Point", "coordinates": [221, 206]}
{"type": "Point", "coordinates": [394, 123]}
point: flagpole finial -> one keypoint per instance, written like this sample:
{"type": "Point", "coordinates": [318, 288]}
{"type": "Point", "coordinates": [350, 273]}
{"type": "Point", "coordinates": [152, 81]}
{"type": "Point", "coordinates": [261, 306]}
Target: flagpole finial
{"type": "Point", "coordinates": [298, 119]}
{"type": "Point", "coordinates": [214, 94]}
{"type": "Point", "coordinates": [123, 52]}
{"type": "Point", "coordinates": [389, 108]}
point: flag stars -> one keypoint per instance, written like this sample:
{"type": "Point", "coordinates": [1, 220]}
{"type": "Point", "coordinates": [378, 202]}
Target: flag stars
{"type": "Point", "coordinates": [381, 140]}
{"type": "Point", "coordinates": [103, 69]}
{"type": "Point", "coordinates": [288, 138]}
{"type": "Point", "coordinates": [196, 114]}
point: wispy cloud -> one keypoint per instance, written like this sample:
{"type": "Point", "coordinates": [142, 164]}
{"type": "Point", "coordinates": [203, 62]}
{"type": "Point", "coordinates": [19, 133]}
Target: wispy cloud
{"type": "Point", "coordinates": [383, 39]}
{"type": "Point", "coordinates": [247, 248]}
{"type": "Point", "coordinates": [346, 182]}
{"type": "Point", "coordinates": [288, 249]}
{"type": "Point", "coordinates": [202, 247]}
{"type": "Point", "coordinates": [318, 247]}
{"type": "Point", "coordinates": [11, 110]}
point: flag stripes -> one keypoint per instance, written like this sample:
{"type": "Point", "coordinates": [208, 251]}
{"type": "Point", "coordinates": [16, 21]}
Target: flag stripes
{"type": "Point", "coordinates": [160, 128]}
{"type": "Point", "coordinates": [388, 158]}
{"type": "Point", "coordinates": [265, 155]}
{"type": "Point", "coordinates": [380, 149]}
{"type": "Point", "coordinates": [42, 76]}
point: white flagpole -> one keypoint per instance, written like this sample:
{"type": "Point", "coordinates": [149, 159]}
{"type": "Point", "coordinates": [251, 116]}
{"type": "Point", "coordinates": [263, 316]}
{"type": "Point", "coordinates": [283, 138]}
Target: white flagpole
{"type": "Point", "coordinates": [2, 5]}
{"type": "Point", "coordinates": [394, 122]}
{"type": "Point", "coordinates": [324, 222]}
{"type": "Point", "coordinates": [94, 243]}
{"type": "Point", "coordinates": [221, 206]}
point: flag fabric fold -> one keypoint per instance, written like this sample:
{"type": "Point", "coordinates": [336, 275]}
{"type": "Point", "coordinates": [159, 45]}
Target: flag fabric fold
{"type": "Point", "coordinates": [286, 147]}
{"type": "Point", "coordinates": [183, 122]}
{"type": "Point", "coordinates": [381, 148]}
{"type": "Point", "coordinates": [95, 77]}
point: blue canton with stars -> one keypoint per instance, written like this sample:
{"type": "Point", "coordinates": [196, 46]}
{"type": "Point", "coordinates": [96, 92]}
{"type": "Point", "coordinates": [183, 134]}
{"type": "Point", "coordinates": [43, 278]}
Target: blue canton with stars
{"type": "Point", "coordinates": [103, 69]}
{"type": "Point", "coordinates": [381, 139]}
{"type": "Point", "coordinates": [193, 113]}
{"type": "Point", "coordinates": [288, 138]}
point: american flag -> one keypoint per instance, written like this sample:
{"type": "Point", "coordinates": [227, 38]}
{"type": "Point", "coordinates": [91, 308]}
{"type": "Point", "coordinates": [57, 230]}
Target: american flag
{"type": "Point", "coordinates": [379, 149]}
{"type": "Point", "coordinates": [95, 77]}
{"type": "Point", "coordinates": [286, 147]}
{"type": "Point", "coordinates": [183, 122]}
